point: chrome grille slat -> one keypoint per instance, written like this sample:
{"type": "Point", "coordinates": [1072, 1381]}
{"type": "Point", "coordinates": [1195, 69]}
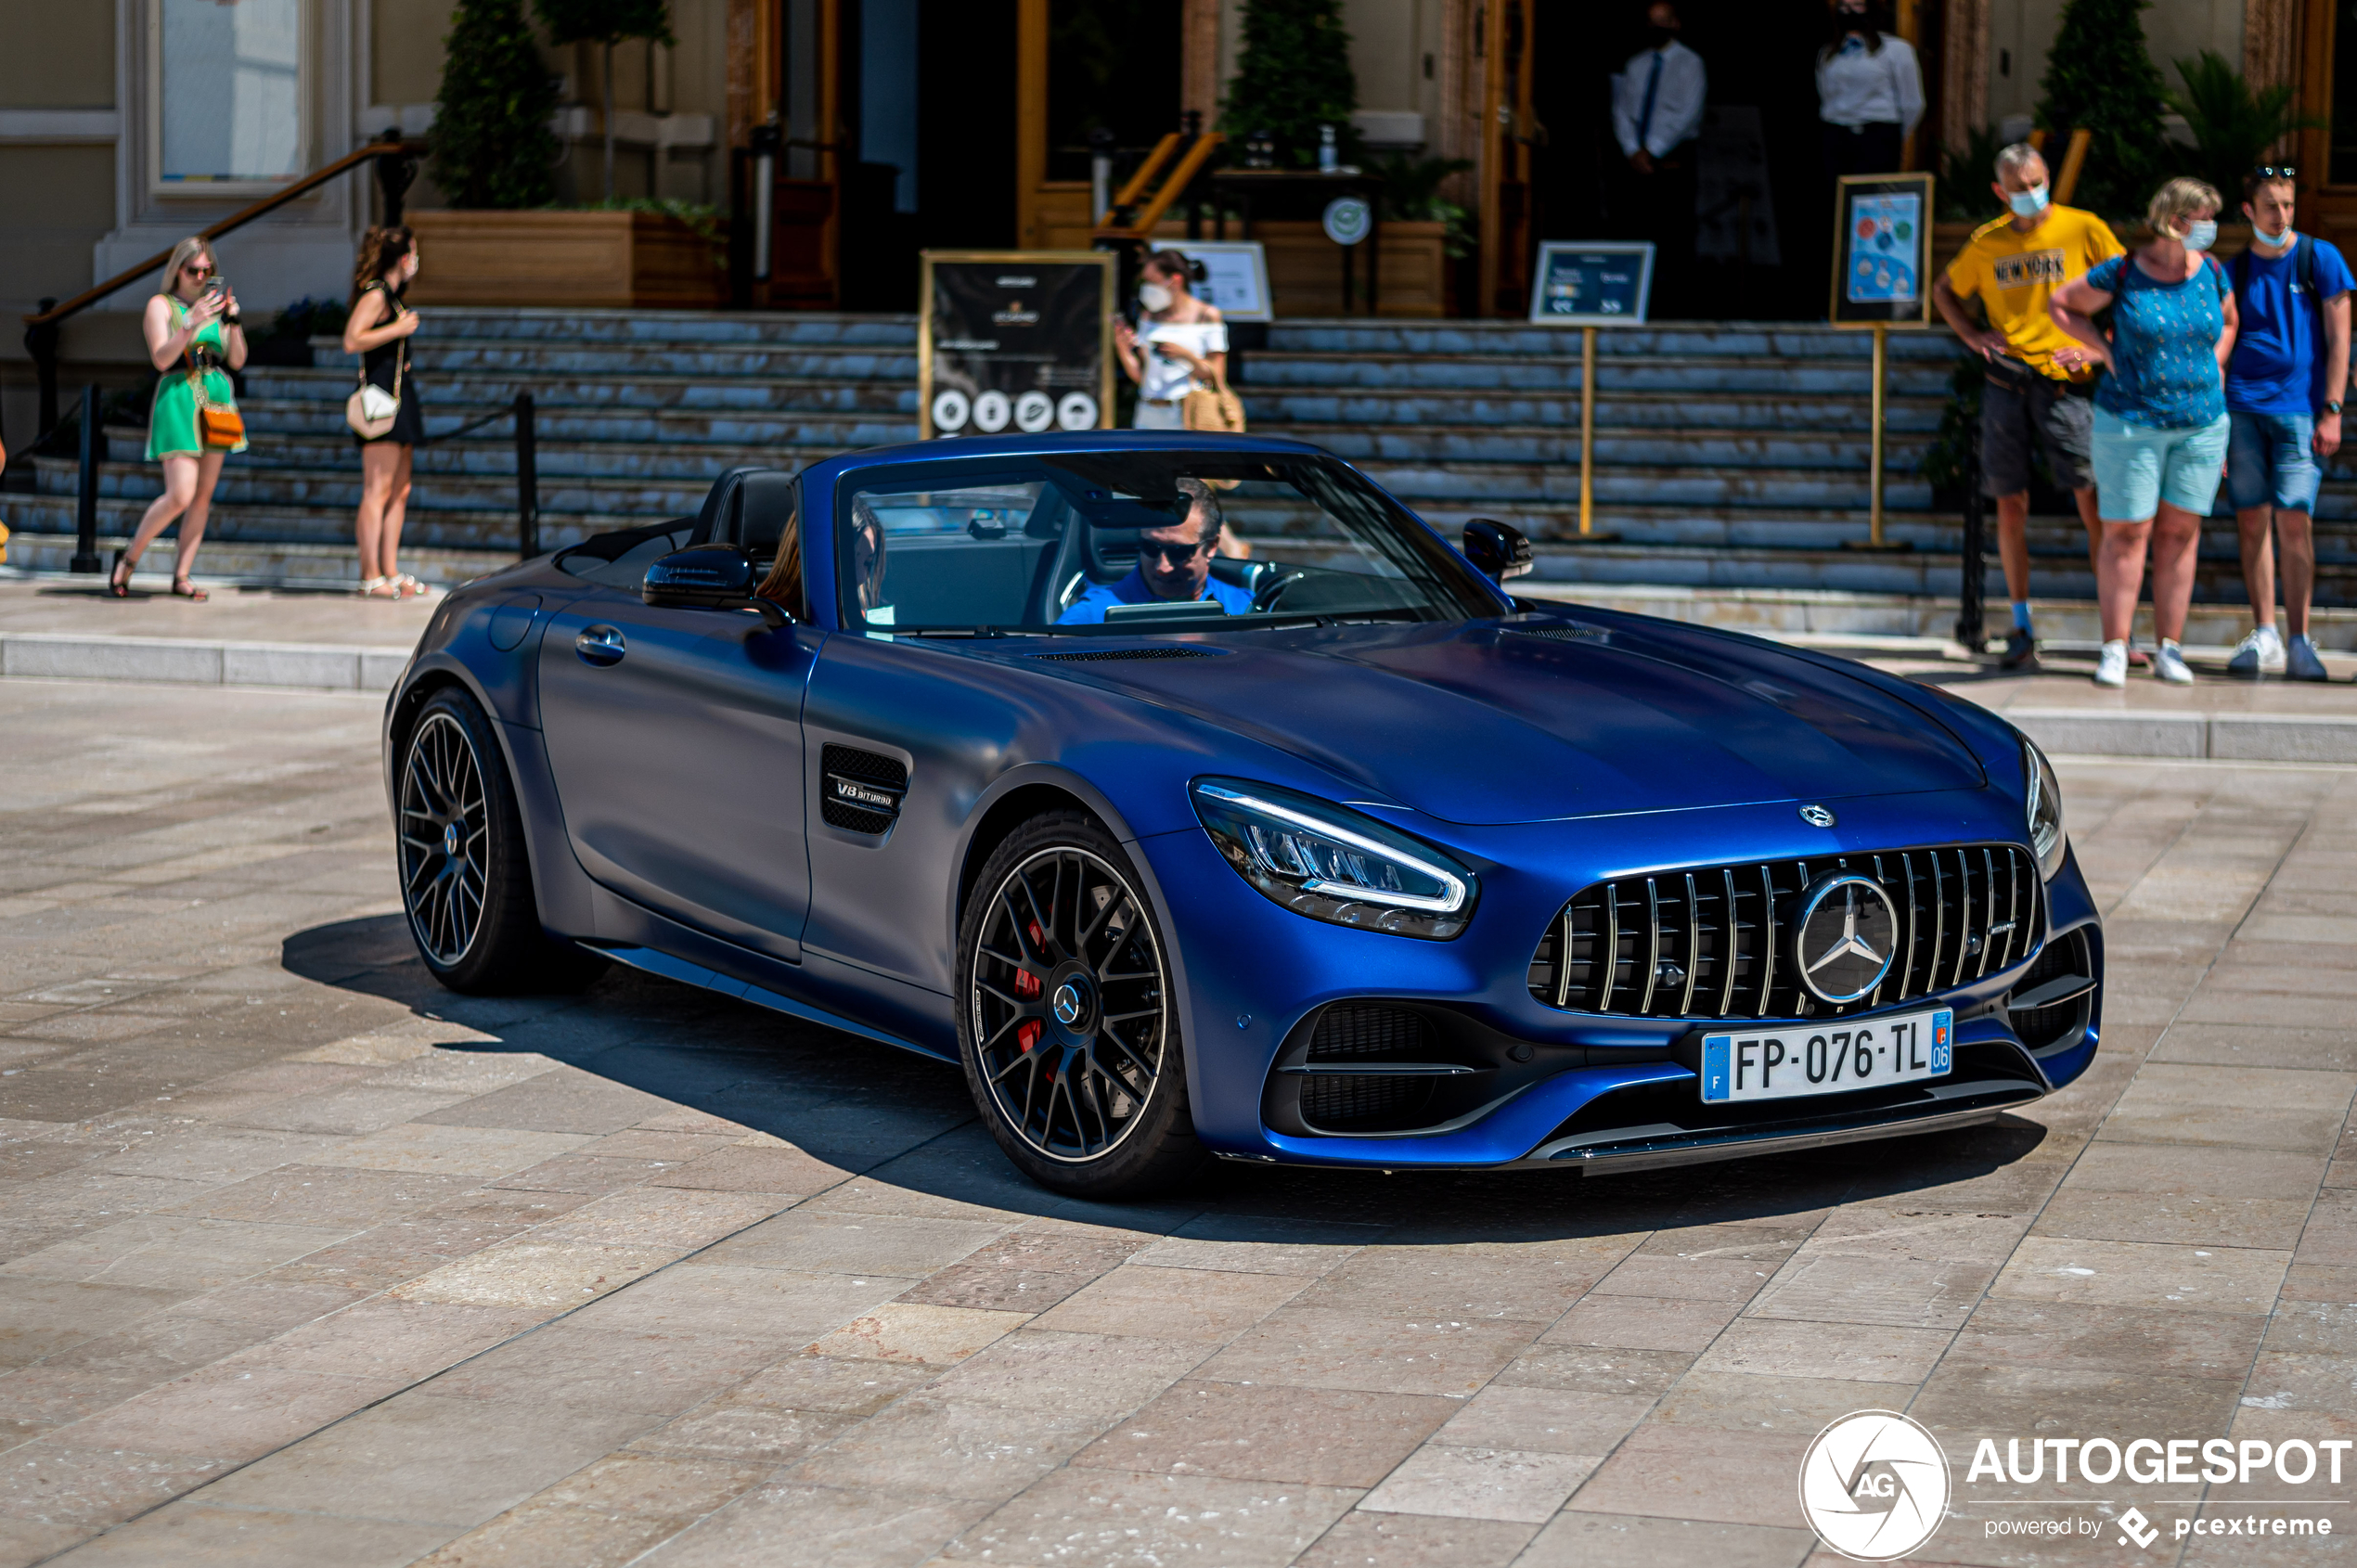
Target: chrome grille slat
{"type": "Point", "coordinates": [1970, 895]}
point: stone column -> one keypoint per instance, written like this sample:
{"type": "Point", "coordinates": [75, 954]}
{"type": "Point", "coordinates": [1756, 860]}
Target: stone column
{"type": "Point", "coordinates": [1964, 72]}
{"type": "Point", "coordinates": [1199, 83]}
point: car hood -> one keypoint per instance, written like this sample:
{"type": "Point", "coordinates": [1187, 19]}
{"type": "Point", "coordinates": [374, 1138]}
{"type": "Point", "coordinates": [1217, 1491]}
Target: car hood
{"type": "Point", "coordinates": [1488, 723]}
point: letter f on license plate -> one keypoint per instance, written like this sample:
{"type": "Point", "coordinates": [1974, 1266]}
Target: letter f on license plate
{"type": "Point", "coordinates": [1784, 1061]}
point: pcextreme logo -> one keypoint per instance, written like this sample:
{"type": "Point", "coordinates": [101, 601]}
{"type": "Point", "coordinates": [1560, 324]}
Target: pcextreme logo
{"type": "Point", "coordinates": [1874, 1485]}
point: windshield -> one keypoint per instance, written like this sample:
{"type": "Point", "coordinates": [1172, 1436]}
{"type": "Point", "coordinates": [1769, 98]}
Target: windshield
{"type": "Point", "coordinates": [1142, 541]}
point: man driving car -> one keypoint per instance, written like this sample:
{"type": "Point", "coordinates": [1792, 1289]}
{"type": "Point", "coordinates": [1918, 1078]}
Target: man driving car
{"type": "Point", "coordinates": [1174, 565]}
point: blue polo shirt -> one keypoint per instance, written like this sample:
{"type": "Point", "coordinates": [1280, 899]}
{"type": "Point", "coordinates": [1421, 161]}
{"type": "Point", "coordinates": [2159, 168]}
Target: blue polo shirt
{"type": "Point", "coordinates": [2278, 363]}
{"type": "Point", "coordinates": [1089, 608]}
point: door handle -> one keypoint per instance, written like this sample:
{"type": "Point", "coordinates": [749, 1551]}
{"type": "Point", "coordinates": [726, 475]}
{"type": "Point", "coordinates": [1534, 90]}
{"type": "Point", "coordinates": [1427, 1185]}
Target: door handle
{"type": "Point", "coordinates": [600, 646]}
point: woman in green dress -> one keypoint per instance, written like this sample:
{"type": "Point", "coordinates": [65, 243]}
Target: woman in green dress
{"type": "Point", "coordinates": [194, 339]}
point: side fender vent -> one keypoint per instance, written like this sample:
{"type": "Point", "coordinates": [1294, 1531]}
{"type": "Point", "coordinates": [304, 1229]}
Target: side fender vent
{"type": "Point", "coordinates": [860, 792]}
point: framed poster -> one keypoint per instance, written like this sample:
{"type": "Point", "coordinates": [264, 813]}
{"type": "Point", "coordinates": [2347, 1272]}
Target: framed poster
{"type": "Point", "coordinates": [1882, 250]}
{"type": "Point", "coordinates": [1592, 283]}
{"type": "Point", "coordinates": [1238, 282]}
{"type": "Point", "coordinates": [1015, 342]}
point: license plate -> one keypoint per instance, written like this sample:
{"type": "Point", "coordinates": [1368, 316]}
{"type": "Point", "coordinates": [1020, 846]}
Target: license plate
{"type": "Point", "coordinates": [1787, 1061]}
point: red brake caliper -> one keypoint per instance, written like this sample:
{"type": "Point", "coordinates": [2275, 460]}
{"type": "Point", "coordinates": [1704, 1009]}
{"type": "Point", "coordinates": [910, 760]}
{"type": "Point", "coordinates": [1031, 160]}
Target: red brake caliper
{"type": "Point", "coordinates": [1027, 987]}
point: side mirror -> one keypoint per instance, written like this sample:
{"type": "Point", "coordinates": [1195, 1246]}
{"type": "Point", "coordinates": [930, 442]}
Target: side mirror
{"type": "Point", "coordinates": [1498, 550]}
{"type": "Point", "coordinates": [707, 577]}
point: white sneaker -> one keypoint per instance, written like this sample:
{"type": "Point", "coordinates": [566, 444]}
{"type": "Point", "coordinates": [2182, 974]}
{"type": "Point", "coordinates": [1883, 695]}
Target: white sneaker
{"type": "Point", "coordinates": [2262, 653]}
{"type": "Point", "coordinates": [2111, 667]}
{"type": "Point", "coordinates": [2170, 664]}
{"type": "Point", "coordinates": [2302, 662]}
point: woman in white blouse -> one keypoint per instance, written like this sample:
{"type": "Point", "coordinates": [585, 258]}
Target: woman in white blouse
{"type": "Point", "coordinates": [1179, 340]}
{"type": "Point", "coordinates": [1870, 90]}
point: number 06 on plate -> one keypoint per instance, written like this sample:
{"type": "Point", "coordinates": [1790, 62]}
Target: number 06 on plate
{"type": "Point", "coordinates": [1788, 1060]}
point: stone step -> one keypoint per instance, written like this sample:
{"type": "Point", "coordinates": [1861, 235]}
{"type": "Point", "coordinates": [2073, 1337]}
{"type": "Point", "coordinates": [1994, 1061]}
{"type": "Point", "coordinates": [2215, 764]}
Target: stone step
{"type": "Point", "coordinates": [1781, 338]}
{"type": "Point", "coordinates": [633, 394]}
{"type": "Point", "coordinates": [1699, 377]}
{"type": "Point", "coordinates": [432, 357]}
{"type": "Point", "coordinates": [816, 327]}
{"type": "Point", "coordinates": [490, 529]}
{"type": "Point", "coordinates": [559, 426]}
{"type": "Point", "coordinates": [278, 563]}
{"type": "Point", "coordinates": [1266, 405]}
{"type": "Point", "coordinates": [245, 484]}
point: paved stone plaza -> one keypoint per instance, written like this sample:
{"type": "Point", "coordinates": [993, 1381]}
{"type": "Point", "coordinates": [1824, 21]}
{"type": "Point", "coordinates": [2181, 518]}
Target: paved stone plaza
{"type": "Point", "coordinates": [309, 1262]}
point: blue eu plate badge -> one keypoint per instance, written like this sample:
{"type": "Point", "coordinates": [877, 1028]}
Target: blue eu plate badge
{"type": "Point", "coordinates": [1785, 1062]}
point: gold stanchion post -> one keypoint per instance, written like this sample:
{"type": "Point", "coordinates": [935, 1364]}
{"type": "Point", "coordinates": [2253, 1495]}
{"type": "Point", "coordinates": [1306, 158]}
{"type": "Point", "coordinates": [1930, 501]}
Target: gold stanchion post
{"type": "Point", "coordinates": [1874, 513]}
{"type": "Point", "coordinates": [1587, 431]}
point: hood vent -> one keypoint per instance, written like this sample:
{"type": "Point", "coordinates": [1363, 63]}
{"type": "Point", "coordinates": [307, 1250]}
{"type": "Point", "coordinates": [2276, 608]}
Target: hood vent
{"type": "Point", "coordinates": [1108, 655]}
{"type": "Point", "coordinates": [1561, 634]}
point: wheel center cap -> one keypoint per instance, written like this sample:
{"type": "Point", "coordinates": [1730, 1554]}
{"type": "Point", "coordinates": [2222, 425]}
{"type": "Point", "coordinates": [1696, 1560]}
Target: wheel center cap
{"type": "Point", "coordinates": [1068, 1003]}
{"type": "Point", "coordinates": [450, 841]}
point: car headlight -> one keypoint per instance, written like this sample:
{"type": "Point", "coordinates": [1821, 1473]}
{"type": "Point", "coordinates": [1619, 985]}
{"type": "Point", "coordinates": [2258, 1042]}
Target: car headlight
{"type": "Point", "coordinates": [1319, 860]}
{"type": "Point", "coordinates": [2047, 840]}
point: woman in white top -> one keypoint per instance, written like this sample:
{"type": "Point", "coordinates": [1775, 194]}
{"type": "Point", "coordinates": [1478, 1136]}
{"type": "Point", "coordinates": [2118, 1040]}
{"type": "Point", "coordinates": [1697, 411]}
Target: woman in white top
{"type": "Point", "coordinates": [1870, 91]}
{"type": "Point", "coordinates": [1183, 341]}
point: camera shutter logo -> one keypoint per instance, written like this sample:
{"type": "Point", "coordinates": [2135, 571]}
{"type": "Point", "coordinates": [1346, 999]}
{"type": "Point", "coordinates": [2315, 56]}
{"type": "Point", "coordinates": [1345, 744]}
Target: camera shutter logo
{"type": "Point", "coordinates": [1875, 1485]}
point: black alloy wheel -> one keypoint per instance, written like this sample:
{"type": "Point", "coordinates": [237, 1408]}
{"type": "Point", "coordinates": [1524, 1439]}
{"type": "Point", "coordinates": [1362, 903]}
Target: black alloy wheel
{"type": "Point", "coordinates": [445, 839]}
{"type": "Point", "coordinates": [466, 880]}
{"type": "Point", "coordinates": [1069, 1023]}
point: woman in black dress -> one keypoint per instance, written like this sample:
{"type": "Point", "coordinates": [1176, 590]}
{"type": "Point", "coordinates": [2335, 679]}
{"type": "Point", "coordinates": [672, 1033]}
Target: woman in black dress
{"type": "Point", "coordinates": [377, 330]}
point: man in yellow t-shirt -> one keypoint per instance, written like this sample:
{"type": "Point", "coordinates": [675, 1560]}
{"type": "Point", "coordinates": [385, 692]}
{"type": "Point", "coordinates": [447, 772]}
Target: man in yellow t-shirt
{"type": "Point", "coordinates": [2039, 378]}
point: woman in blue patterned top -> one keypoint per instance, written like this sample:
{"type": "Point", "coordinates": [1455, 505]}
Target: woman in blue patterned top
{"type": "Point", "coordinates": [2160, 416]}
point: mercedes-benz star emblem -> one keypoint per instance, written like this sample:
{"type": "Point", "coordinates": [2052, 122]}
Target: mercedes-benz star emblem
{"type": "Point", "coordinates": [1846, 937]}
{"type": "Point", "coordinates": [1816, 817]}
{"type": "Point", "coordinates": [1067, 1003]}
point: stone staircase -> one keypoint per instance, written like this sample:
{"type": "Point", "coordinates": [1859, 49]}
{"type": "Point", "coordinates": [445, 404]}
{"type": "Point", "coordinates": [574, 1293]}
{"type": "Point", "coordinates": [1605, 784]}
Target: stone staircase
{"type": "Point", "coordinates": [1730, 456]}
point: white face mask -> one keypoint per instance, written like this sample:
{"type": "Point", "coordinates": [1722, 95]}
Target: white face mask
{"type": "Point", "coordinates": [2275, 239]}
{"type": "Point", "coordinates": [2201, 233]}
{"type": "Point", "coordinates": [1155, 297]}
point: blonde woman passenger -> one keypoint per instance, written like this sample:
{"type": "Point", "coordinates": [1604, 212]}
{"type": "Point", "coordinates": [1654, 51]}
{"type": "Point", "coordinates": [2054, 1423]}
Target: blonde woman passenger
{"type": "Point", "coordinates": [379, 329]}
{"type": "Point", "coordinates": [195, 339]}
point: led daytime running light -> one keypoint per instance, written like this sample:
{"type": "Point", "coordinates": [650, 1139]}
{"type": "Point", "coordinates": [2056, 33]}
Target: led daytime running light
{"type": "Point", "coordinates": [1446, 904]}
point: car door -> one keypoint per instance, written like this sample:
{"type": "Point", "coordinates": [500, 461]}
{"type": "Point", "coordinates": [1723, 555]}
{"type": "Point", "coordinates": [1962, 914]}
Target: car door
{"type": "Point", "coordinates": [675, 737]}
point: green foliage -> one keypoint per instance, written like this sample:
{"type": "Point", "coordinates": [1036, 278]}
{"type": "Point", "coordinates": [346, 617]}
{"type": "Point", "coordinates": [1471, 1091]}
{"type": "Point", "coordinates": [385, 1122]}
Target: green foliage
{"type": "Point", "coordinates": [1293, 76]}
{"type": "Point", "coordinates": [1965, 174]}
{"type": "Point", "coordinates": [490, 142]}
{"type": "Point", "coordinates": [1411, 194]}
{"type": "Point", "coordinates": [2100, 78]}
{"type": "Point", "coordinates": [2233, 126]}
{"type": "Point", "coordinates": [605, 21]}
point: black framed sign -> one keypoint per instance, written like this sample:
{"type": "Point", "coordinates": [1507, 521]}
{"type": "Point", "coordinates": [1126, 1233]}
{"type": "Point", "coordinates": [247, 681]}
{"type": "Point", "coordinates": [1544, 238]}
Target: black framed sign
{"type": "Point", "coordinates": [1882, 250]}
{"type": "Point", "coordinates": [1015, 342]}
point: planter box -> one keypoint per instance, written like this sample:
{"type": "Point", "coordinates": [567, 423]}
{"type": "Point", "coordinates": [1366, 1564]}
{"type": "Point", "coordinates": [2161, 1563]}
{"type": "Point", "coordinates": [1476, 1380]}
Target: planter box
{"type": "Point", "coordinates": [1305, 269]}
{"type": "Point", "coordinates": [612, 260]}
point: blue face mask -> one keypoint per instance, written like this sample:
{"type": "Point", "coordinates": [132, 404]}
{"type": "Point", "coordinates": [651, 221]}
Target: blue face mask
{"type": "Point", "coordinates": [2202, 235]}
{"type": "Point", "coordinates": [2028, 203]}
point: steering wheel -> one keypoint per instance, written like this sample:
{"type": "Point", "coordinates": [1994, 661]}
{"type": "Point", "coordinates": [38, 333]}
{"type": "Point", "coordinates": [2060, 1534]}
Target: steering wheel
{"type": "Point", "coordinates": [1274, 590]}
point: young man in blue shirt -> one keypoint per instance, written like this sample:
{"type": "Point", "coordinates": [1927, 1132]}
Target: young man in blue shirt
{"type": "Point", "coordinates": [2284, 385]}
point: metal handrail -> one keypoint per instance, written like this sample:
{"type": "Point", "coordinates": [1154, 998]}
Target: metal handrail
{"type": "Point", "coordinates": [392, 152]}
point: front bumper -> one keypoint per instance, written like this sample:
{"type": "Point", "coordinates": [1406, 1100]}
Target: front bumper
{"type": "Point", "coordinates": [1589, 1092]}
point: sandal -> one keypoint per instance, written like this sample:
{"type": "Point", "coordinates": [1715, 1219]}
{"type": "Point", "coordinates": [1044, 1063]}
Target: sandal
{"type": "Point", "coordinates": [119, 576]}
{"type": "Point", "coordinates": [183, 588]}
{"type": "Point", "coordinates": [380, 587]}
{"type": "Point", "coordinates": [410, 587]}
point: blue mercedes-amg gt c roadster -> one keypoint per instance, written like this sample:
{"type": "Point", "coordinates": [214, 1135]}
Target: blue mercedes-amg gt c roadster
{"type": "Point", "coordinates": [1337, 854]}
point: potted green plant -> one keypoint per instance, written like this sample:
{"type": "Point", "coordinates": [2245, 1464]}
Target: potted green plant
{"type": "Point", "coordinates": [501, 242]}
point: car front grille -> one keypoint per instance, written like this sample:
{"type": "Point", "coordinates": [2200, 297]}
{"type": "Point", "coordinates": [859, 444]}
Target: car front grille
{"type": "Point", "coordinates": [1717, 941]}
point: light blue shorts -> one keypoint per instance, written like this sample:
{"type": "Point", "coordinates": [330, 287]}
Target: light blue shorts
{"type": "Point", "coordinates": [2269, 462]}
{"type": "Point", "coordinates": [2136, 468]}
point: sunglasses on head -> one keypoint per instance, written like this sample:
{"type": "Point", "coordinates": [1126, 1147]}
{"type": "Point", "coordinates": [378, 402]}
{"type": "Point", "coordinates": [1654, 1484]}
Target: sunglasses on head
{"type": "Point", "coordinates": [2275, 172]}
{"type": "Point", "coordinates": [1174, 554]}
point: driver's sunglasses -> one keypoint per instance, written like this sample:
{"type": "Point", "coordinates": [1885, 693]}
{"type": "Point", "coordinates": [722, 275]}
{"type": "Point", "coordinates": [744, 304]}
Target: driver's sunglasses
{"type": "Point", "coordinates": [1174, 555]}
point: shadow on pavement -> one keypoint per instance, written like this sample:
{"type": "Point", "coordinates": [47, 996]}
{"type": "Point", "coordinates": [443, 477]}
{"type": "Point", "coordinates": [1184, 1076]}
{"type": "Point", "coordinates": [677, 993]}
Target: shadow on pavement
{"type": "Point", "coordinates": [907, 1121]}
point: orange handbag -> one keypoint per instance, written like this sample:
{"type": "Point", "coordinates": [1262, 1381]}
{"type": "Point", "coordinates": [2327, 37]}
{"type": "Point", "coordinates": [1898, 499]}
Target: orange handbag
{"type": "Point", "coordinates": [219, 425]}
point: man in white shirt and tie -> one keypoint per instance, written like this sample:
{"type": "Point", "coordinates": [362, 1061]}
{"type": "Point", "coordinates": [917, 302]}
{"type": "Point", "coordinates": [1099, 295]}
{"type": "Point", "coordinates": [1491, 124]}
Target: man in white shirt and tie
{"type": "Point", "coordinates": [1657, 113]}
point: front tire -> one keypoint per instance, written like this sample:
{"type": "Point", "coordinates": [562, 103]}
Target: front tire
{"type": "Point", "coordinates": [466, 880]}
{"type": "Point", "coordinates": [1067, 1020]}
